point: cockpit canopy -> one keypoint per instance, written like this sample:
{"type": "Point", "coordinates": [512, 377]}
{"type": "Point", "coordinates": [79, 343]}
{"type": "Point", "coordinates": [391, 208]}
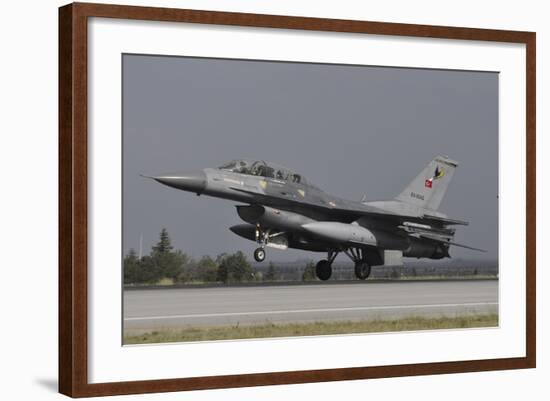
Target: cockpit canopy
{"type": "Point", "coordinates": [262, 169]}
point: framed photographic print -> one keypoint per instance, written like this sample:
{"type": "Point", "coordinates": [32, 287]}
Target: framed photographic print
{"type": "Point", "coordinates": [251, 199]}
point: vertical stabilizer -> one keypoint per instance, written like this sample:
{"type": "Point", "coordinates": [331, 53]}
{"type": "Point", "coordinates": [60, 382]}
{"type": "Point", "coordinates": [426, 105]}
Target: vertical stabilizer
{"type": "Point", "coordinates": [428, 188]}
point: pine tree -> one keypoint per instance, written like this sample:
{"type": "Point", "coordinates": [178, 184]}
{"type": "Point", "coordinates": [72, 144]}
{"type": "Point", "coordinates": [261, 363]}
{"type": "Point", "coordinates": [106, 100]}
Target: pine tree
{"type": "Point", "coordinates": [168, 264]}
{"type": "Point", "coordinates": [164, 245]}
{"type": "Point", "coordinates": [172, 264]}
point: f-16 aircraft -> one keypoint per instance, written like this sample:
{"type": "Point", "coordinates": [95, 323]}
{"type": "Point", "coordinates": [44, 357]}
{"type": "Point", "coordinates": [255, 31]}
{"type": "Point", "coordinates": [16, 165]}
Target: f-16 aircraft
{"type": "Point", "coordinates": [284, 210]}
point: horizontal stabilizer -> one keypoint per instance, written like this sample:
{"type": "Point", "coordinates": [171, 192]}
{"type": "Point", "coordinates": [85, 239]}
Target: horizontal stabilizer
{"type": "Point", "coordinates": [443, 241]}
{"type": "Point", "coordinates": [445, 221]}
{"type": "Point", "coordinates": [467, 247]}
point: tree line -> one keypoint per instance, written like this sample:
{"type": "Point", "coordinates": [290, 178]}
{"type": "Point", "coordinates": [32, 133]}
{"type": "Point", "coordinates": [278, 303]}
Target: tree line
{"type": "Point", "coordinates": [166, 263]}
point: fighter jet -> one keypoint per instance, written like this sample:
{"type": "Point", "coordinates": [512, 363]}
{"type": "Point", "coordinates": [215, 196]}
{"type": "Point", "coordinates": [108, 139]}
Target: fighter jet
{"type": "Point", "coordinates": [283, 210]}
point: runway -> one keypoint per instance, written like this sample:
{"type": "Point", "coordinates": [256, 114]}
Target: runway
{"type": "Point", "coordinates": [184, 307]}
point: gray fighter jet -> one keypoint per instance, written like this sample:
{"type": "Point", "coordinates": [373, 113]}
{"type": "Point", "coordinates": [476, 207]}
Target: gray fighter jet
{"type": "Point", "coordinates": [283, 210]}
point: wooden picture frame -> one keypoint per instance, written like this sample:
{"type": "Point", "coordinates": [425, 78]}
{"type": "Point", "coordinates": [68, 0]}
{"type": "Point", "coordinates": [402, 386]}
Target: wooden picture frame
{"type": "Point", "coordinates": [73, 198]}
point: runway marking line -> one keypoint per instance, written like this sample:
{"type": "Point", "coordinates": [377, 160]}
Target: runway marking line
{"type": "Point", "coordinates": [275, 312]}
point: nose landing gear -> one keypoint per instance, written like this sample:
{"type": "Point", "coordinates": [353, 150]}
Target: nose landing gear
{"type": "Point", "coordinates": [267, 236]}
{"type": "Point", "coordinates": [261, 238]}
{"type": "Point", "coordinates": [259, 254]}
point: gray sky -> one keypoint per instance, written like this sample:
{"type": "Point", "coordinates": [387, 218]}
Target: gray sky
{"type": "Point", "coordinates": [351, 130]}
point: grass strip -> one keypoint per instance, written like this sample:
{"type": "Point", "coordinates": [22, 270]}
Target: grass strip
{"type": "Point", "coordinates": [307, 329]}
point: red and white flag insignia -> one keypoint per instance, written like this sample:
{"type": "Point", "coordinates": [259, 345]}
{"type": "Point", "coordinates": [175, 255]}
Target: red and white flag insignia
{"type": "Point", "coordinates": [428, 183]}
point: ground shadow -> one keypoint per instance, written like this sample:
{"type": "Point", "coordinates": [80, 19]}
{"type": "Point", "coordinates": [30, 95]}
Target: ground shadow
{"type": "Point", "coordinates": [48, 383]}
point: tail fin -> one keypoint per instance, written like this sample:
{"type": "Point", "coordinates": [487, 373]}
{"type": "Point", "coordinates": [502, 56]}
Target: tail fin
{"type": "Point", "coordinates": [428, 188]}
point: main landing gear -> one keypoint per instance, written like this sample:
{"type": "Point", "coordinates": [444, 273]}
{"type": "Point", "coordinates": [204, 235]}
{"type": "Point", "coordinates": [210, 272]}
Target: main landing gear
{"type": "Point", "coordinates": [323, 270]}
{"type": "Point", "coordinates": [362, 266]}
{"type": "Point", "coordinates": [362, 270]}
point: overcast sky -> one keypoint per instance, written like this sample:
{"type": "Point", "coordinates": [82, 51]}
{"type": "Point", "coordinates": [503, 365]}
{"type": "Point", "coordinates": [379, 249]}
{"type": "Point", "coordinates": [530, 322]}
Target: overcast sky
{"type": "Point", "coordinates": [351, 130]}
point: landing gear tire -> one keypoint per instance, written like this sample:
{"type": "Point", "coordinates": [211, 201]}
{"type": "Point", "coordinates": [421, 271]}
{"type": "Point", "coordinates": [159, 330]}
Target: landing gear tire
{"type": "Point", "coordinates": [362, 270]}
{"type": "Point", "coordinates": [259, 254]}
{"type": "Point", "coordinates": [323, 270]}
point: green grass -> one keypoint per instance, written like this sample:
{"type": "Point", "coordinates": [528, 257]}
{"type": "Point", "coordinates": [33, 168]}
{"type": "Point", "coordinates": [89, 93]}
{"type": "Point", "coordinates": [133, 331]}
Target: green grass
{"type": "Point", "coordinates": [165, 281]}
{"type": "Point", "coordinates": [308, 329]}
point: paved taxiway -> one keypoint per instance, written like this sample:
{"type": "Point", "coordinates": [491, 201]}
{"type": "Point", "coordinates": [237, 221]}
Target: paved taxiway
{"type": "Point", "coordinates": [183, 307]}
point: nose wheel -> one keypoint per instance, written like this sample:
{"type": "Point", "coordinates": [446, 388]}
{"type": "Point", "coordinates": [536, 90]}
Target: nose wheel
{"type": "Point", "coordinates": [259, 254]}
{"type": "Point", "coordinates": [262, 237]}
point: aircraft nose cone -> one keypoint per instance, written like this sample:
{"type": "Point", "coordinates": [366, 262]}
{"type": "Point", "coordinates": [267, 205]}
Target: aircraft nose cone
{"type": "Point", "coordinates": [193, 181]}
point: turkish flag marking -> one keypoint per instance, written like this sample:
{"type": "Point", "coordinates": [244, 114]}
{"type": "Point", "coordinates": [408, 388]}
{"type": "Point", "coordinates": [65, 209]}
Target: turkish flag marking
{"type": "Point", "coordinates": [428, 184]}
